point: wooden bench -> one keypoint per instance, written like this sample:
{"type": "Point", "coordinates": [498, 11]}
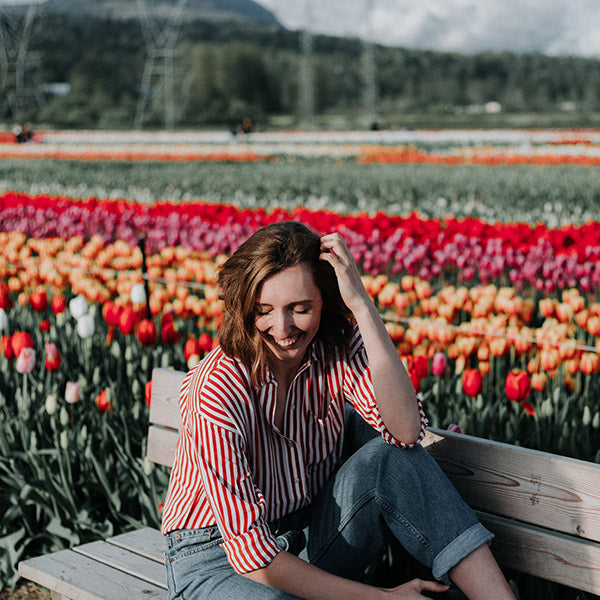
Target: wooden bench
{"type": "Point", "coordinates": [544, 510]}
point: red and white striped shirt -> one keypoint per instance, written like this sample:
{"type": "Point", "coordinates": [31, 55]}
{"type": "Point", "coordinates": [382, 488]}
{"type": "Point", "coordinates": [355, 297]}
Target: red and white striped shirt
{"type": "Point", "coordinates": [235, 469]}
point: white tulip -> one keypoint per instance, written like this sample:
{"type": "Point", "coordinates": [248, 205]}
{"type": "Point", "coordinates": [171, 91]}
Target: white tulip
{"type": "Point", "coordinates": [138, 293]}
{"type": "Point", "coordinates": [3, 320]}
{"type": "Point", "coordinates": [86, 326]}
{"type": "Point", "coordinates": [78, 306]}
{"type": "Point", "coordinates": [51, 404]}
{"type": "Point", "coordinates": [64, 440]}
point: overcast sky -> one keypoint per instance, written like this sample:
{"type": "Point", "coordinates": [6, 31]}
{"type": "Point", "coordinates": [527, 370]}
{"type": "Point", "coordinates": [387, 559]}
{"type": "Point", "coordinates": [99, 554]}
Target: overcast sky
{"type": "Point", "coordinates": [565, 27]}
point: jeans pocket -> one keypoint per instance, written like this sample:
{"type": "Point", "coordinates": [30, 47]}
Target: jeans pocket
{"type": "Point", "coordinates": [187, 550]}
{"type": "Point", "coordinates": [185, 542]}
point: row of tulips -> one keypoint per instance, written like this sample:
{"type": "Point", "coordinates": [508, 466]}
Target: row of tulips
{"type": "Point", "coordinates": [469, 249]}
{"type": "Point", "coordinates": [589, 156]}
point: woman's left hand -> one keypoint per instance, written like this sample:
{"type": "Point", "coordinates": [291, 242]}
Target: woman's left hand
{"type": "Point", "coordinates": [335, 251]}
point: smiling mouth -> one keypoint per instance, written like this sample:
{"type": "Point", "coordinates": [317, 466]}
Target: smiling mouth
{"type": "Point", "coordinates": [287, 343]}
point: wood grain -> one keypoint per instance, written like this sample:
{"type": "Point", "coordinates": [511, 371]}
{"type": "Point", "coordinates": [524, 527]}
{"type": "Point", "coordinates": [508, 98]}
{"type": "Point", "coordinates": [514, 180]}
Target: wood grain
{"type": "Point", "coordinates": [535, 487]}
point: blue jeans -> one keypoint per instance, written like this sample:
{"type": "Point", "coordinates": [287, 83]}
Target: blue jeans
{"type": "Point", "coordinates": [380, 492]}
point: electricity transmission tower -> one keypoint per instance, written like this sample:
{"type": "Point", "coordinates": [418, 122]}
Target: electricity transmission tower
{"type": "Point", "coordinates": [158, 78]}
{"type": "Point", "coordinates": [368, 68]}
{"type": "Point", "coordinates": [19, 85]}
{"type": "Point", "coordinates": [307, 82]}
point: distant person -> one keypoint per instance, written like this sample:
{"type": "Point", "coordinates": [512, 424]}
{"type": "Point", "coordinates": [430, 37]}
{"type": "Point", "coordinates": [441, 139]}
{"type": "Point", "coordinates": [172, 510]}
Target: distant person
{"type": "Point", "coordinates": [23, 133]}
{"type": "Point", "coordinates": [247, 126]}
{"type": "Point", "coordinates": [298, 455]}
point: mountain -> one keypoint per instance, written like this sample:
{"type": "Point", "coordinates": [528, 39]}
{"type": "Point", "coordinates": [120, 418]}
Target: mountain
{"type": "Point", "coordinates": [209, 10]}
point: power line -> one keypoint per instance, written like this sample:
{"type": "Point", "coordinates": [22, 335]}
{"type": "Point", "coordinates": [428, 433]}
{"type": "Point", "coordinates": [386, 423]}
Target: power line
{"type": "Point", "coordinates": [158, 79]}
{"type": "Point", "coordinates": [19, 66]}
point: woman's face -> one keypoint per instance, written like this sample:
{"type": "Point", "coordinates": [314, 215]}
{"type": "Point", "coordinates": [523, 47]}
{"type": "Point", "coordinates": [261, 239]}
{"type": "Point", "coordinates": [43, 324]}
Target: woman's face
{"type": "Point", "coordinates": [288, 313]}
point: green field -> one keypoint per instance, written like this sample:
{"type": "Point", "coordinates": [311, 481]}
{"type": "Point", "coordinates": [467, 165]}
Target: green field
{"type": "Point", "coordinates": [554, 195]}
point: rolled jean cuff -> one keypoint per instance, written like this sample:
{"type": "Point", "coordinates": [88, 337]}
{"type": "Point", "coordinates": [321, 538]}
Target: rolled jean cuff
{"type": "Point", "coordinates": [455, 551]}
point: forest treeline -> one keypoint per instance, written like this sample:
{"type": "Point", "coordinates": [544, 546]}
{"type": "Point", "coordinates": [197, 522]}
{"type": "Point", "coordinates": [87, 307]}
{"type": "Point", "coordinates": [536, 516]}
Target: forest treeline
{"type": "Point", "coordinates": [227, 71]}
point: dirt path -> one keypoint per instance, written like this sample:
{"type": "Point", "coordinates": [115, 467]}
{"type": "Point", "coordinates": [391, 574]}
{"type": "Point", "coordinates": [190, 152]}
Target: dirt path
{"type": "Point", "coordinates": [25, 591]}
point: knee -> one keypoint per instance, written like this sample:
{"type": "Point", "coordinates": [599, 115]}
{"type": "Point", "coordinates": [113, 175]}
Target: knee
{"type": "Point", "coordinates": [404, 467]}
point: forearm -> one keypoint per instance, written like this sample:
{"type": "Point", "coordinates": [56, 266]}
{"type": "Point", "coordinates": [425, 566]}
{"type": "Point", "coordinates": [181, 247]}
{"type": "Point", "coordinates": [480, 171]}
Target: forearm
{"type": "Point", "coordinates": [295, 576]}
{"type": "Point", "coordinates": [394, 392]}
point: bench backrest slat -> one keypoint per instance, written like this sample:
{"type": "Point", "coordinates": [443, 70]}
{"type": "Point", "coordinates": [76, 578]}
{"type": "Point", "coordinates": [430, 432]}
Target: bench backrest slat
{"type": "Point", "coordinates": [535, 487]}
{"type": "Point", "coordinates": [164, 401]}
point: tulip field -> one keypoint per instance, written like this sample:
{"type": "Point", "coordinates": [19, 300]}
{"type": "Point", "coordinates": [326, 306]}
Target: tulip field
{"type": "Point", "coordinates": [481, 250]}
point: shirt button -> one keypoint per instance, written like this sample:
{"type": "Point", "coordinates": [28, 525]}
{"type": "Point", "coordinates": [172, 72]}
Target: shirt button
{"type": "Point", "coordinates": [297, 480]}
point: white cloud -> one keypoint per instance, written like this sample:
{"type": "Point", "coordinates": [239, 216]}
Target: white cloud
{"type": "Point", "coordinates": [549, 26]}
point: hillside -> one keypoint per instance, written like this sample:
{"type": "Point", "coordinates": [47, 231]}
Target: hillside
{"type": "Point", "coordinates": [209, 10]}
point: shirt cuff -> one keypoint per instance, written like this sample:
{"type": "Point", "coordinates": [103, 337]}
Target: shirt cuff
{"type": "Point", "coordinates": [251, 550]}
{"type": "Point", "coordinates": [390, 439]}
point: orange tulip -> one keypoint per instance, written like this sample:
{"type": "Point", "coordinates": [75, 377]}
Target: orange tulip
{"type": "Point", "coordinates": [549, 359]}
{"type": "Point", "coordinates": [538, 381]}
{"type": "Point", "coordinates": [589, 363]}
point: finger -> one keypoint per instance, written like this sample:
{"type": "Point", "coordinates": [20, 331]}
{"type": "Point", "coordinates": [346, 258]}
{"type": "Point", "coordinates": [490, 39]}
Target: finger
{"type": "Point", "coordinates": [433, 586]}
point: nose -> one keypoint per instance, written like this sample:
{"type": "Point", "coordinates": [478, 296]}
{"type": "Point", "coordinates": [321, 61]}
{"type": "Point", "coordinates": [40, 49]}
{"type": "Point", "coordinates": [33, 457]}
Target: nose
{"type": "Point", "coordinates": [282, 325]}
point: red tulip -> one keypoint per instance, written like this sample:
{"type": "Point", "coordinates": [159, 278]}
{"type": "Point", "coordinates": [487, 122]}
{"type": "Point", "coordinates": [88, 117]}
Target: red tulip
{"type": "Point", "coordinates": [45, 325]}
{"type": "Point", "coordinates": [127, 321]}
{"type": "Point", "coordinates": [111, 313]}
{"type": "Point", "coordinates": [148, 392]}
{"type": "Point", "coordinates": [191, 347]}
{"type": "Point", "coordinates": [169, 334]}
{"type": "Point", "coordinates": [20, 340]}
{"type": "Point", "coordinates": [4, 296]}
{"type": "Point", "coordinates": [472, 382]}
{"type": "Point", "coordinates": [102, 402]}
{"type": "Point", "coordinates": [39, 300]}
{"type": "Point", "coordinates": [58, 304]}
{"type": "Point", "coordinates": [53, 358]}
{"type": "Point", "coordinates": [421, 366]}
{"type": "Point", "coordinates": [517, 385]}
{"type": "Point", "coordinates": [7, 347]}
{"type": "Point", "coordinates": [206, 342]}
{"type": "Point", "coordinates": [415, 380]}
{"type": "Point", "coordinates": [147, 332]}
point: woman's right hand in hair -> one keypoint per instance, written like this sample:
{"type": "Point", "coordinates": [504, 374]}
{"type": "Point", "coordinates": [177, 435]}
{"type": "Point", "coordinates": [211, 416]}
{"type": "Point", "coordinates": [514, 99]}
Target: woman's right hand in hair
{"type": "Point", "coordinates": [414, 589]}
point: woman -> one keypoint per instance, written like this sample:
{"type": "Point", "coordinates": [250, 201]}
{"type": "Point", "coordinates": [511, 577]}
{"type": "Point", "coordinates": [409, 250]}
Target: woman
{"type": "Point", "coordinates": [298, 455]}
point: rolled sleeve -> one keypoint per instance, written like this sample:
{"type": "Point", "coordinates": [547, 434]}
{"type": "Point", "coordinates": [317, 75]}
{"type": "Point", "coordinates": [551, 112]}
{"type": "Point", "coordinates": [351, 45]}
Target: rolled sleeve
{"type": "Point", "coordinates": [251, 550]}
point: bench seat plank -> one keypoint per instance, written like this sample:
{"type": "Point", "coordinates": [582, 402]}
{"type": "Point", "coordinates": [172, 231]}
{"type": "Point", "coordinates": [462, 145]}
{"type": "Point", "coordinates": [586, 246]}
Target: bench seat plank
{"type": "Point", "coordinates": [531, 486]}
{"type": "Point", "coordinates": [551, 555]}
{"type": "Point", "coordinates": [125, 561]}
{"type": "Point", "coordinates": [72, 575]}
{"type": "Point", "coordinates": [147, 541]}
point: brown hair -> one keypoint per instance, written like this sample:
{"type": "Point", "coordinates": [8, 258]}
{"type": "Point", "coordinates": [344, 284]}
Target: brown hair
{"type": "Point", "coordinates": [267, 252]}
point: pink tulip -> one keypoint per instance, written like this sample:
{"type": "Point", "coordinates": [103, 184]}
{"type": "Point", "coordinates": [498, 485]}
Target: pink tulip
{"type": "Point", "coordinates": [72, 392]}
{"type": "Point", "coordinates": [438, 363]}
{"type": "Point", "coordinates": [51, 351]}
{"type": "Point", "coordinates": [26, 360]}
{"type": "Point", "coordinates": [456, 429]}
